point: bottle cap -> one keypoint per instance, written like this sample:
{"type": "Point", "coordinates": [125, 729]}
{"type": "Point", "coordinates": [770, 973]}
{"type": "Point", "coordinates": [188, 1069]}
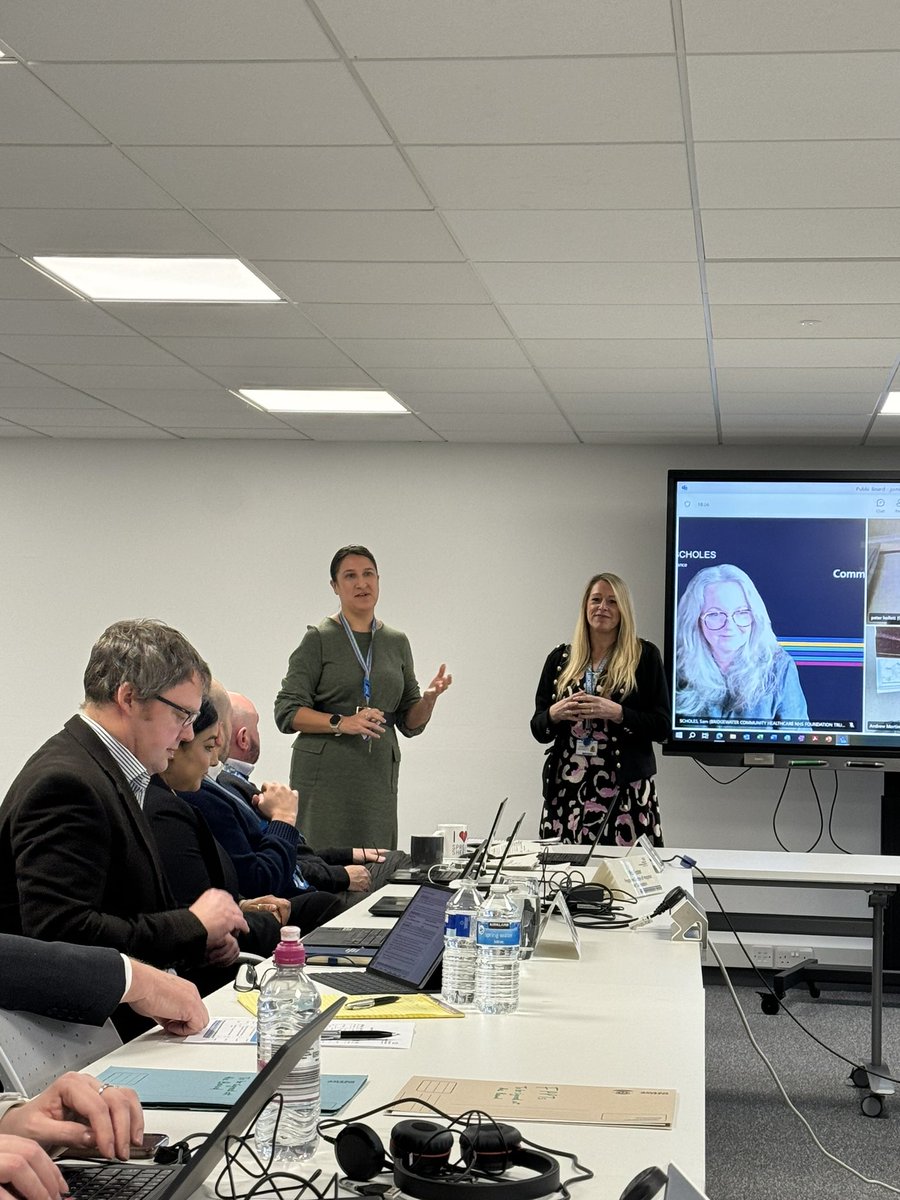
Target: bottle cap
{"type": "Point", "coordinates": [290, 951]}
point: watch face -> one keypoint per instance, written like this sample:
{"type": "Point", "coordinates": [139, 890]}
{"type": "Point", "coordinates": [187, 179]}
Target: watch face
{"type": "Point", "coordinates": [335, 720]}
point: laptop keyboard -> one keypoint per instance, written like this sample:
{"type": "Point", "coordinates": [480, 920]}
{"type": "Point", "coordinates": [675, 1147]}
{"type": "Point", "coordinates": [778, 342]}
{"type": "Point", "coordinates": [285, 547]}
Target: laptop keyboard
{"type": "Point", "coordinates": [358, 983]}
{"type": "Point", "coordinates": [348, 937]}
{"type": "Point", "coordinates": [106, 1181]}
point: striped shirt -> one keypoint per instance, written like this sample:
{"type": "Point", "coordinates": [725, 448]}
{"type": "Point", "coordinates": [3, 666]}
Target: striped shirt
{"type": "Point", "coordinates": [136, 774]}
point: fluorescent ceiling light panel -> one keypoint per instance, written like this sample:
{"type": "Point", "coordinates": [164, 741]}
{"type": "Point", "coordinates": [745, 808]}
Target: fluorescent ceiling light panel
{"type": "Point", "coordinates": [159, 280]}
{"type": "Point", "coordinates": [891, 406]}
{"type": "Point", "coordinates": [328, 400]}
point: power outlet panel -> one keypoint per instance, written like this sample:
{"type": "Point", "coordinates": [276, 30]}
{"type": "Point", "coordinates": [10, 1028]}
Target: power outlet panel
{"type": "Point", "coordinates": [761, 956]}
{"type": "Point", "coordinates": [788, 956]}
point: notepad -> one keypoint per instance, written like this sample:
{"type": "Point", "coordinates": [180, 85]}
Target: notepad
{"type": "Point", "coordinates": [414, 1007]}
{"type": "Point", "coordinates": [162, 1088]}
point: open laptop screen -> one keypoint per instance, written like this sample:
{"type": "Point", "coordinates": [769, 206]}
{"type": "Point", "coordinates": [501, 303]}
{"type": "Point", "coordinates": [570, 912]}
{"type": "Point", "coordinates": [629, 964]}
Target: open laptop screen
{"type": "Point", "coordinates": [414, 946]}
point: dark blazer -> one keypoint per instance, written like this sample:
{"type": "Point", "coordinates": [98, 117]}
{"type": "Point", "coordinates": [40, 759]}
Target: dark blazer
{"type": "Point", "coordinates": [78, 861]}
{"type": "Point", "coordinates": [69, 983]}
{"type": "Point", "coordinates": [645, 712]}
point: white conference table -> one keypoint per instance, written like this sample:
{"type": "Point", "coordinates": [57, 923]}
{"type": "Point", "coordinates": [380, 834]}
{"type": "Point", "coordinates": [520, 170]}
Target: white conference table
{"type": "Point", "coordinates": [876, 874]}
{"type": "Point", "coordinates": [629, 1013]}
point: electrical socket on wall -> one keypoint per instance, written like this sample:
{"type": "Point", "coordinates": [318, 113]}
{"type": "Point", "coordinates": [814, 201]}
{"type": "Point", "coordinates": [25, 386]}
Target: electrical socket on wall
{"type": "Point", "coordinates": [788, 956]}
{"type": "Point", "coordinates": [761, 956]}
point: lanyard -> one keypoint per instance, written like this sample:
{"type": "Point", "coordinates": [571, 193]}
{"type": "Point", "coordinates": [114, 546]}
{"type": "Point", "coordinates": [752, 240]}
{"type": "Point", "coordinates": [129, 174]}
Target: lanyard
{"type": "Point", "coordinates": [365, 663]}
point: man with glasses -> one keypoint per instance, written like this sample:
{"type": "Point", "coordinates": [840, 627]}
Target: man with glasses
{"type": "Point", "coordinates": [78, 861]}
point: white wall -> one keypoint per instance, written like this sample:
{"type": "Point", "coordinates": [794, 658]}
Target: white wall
{"type": "Point", "coordinates": [483, 553]}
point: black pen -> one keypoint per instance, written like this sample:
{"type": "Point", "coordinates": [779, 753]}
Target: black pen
{"type": "Point", "coordinates": [345, 1034]}
{"type": "Point", "coordinates": [374, 1003]}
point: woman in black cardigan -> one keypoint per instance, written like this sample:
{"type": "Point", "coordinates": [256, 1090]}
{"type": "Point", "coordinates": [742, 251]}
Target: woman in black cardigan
{"type": "Point", "coordinates": [602, 701]}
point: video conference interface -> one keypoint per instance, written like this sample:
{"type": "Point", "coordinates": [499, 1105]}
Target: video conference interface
{"type": "Point", "coordinates": [790, 632]}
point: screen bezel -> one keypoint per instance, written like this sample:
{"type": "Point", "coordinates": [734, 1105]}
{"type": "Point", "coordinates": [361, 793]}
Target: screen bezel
{"type": "Point", "coordinates": [859, 756]}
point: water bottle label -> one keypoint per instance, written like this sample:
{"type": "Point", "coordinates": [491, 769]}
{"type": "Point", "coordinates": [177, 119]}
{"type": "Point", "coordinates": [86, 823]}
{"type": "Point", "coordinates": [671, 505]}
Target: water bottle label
{"type": "Point", "coordinates": [499, 933]}
{"type": "Point", "coordinates": [459, 924]}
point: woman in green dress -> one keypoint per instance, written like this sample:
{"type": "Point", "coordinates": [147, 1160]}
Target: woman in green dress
{"type": "Point", "coordinates": [350, 686]}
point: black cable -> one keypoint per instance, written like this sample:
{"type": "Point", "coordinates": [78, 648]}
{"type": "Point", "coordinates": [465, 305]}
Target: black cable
{"type": "Point", "coordinates": [821, 813]}
{"type": "Point", "coordinates": [787, 776]}
{"type": "Point", "coordinates": [780, 1001]}
{"type": "Point", "coordinates": [834, 797]}
{"type": "Point", "coordinates": [721, 782]}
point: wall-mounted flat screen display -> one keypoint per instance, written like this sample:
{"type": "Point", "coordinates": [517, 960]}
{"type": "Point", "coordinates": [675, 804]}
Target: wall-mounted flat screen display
{"type": "Point", "coordinates": [783, 615]}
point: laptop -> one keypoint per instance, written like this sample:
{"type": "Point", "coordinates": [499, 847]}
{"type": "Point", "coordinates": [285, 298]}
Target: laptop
{"type": "Point", "coordinates": [409, 958]}
{"type": "Point", "coordinates": [149, 1181]}
{"type": "Point", "coordinates": [334, 946]}
{"type": "Point", "coordinates": [445, 872]}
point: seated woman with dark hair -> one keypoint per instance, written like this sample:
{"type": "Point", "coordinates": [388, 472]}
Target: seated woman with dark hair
{"type": "Point", "coordinates": [192, 858]}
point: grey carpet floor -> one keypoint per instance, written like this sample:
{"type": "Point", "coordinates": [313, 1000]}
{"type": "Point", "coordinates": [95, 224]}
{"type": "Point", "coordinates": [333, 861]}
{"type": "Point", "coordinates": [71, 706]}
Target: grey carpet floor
{"type": "Point", "coordinates": [756, 1148]}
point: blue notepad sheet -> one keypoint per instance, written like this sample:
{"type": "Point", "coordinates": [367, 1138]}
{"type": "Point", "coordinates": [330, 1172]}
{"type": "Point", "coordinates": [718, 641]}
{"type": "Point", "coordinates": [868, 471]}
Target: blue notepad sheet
{"type": "Point", "coordinates": [162, 1088]}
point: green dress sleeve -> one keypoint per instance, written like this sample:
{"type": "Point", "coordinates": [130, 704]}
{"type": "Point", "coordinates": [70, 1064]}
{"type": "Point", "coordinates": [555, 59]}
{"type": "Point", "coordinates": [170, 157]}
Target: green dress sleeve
{"type": "Point", "coordinates": [300, 684]}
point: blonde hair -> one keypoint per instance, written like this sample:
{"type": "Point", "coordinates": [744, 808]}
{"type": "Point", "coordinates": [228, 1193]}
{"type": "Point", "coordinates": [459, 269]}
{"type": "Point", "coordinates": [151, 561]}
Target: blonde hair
{"type": "Point", "coordinates": [621, 665]}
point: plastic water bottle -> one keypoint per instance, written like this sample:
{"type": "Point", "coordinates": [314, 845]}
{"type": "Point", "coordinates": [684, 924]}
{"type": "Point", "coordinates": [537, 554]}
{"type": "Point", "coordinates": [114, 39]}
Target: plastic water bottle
{"type": "Point", "coordinates": [498, 933]}
{"type": "Point", "coordinates": [287, 1002]}
{"type": "Point", "coordinates": [458, 963]}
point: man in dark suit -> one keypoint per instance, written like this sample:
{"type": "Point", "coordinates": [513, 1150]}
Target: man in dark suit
{"type": "Point", "coordinates": [85, 984]}
{"type": "Point", "coordinates": [78, 861]}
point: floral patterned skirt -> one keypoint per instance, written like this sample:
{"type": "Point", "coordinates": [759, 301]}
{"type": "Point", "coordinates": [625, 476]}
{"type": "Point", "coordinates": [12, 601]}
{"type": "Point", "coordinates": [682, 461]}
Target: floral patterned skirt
{"type": "Point", "coordinates": [580, 796]}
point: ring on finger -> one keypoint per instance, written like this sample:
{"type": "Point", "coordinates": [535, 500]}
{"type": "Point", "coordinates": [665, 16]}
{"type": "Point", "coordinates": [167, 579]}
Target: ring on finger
{"type": "Point", "coordinates": [103, 1087]}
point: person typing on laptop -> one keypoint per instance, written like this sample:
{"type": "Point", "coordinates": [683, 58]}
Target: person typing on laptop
{"type": "Point", "coordinates": [76, 1112]}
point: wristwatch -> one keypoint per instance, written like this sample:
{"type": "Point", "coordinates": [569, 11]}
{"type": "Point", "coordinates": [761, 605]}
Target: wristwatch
{"type": "Point", "coordinates": [334, 721]}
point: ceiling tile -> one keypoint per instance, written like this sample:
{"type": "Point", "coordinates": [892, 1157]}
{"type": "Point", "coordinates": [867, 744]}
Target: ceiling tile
{"type": "Point", "coordinates": [110, 433]}
{"type": "Point", "coordinates": [167, 29]}
{"type": "Point", "coordinates": [364, 429]}
{"type": "Point", "coordinates": [461, 380]}
{"type": "Point", "coordinates": [471, 28]}
{"type": "Point", "coordinates": [799, 403]}
{"type": "Point", "coordinates": [798, 174]}
{"type": "Point", "coordinates": [570, 236]}
{"type": "Point", "coordinates": [885, 430]}
{"type": "Point", "coordinates": [503, 403]}
{"type": "Point", "coordinates": [663, 423]}
{"type": "Point", "coordinates": [75, 177]}
{"type": "Point", "coordinates": [702, 436]}
{"type": "Point", "coordinates": [782, 379]}
{"type": "Point", "coordinates": [211, 410]}
{"type": "Point", "coordinates": [101, 417]}
{"type": "Point", "coordinates": [799, 233]}
{"type": "Point", "coordinates": [407, 320]}
{"type": "Point", "coordinates": [214, 320]}
{"type": "Point", "coordinates": [494, 423]}
{"type": "Point", "coordinates": [275, 433]}
{"type": "Point", "coordinates": [843, 282]}
{"type": "Point", "coordinates": [14, 375]}
{"type": "Point", "coordinates": [310, 377]}
{"type": "Point", "coordinates": [228, 104]}
{"type": "Point", "coordinates": [674, 379]}
{"type": "Point", "coordinates": [529, 101]}
{"type": "Point", "coordinates": [255, 352]}
{"type": "Point", "coordinates": [18, 281]}
{"type": "Point", "coordinates": [92, 377]}
{"type": "Point", "coordinates": [33, 115]}
{"type": "Point", "coordinates": [31, 231]}
{"type": "Point", "coordinates": [762, 97]}
{"type": "Point", "coordinates": [606, 320]}
{"type": "Point", "coordinates": [45, 397]}
{"type": "Point", "coordinates": [374, 353]}
{"type": "Point", "coordinates": [554, 176]}
{"type": "Point", "coordinates": [611, 352]}
{"type": "Point", "coordinates": [797, 423]}
{"type": "Point", "coordinates": [333, 236]}
{"type": "Point", "coordinates": [795, 352]}
{"type": "Point", "coordinates": [57, 317]}
{"type": "Point", "coordinates": [731, 26]}
{"type": "Point", "coordinates": [8, 430]}
{"type": "Point", "coordinates": [388, 283]}
{"type": "Point", "coordinates": [783, 320]}
{"type": "Point", "coordinates": [592, 283]}
{"type": "Point", "coordinates": [628, 405]}
{"type": "Point", "coordinates": [43, 349]}
{"type": "Point", "coordinates": [367, 177]}
{"type": "Point", "coordinates": [513, 437]}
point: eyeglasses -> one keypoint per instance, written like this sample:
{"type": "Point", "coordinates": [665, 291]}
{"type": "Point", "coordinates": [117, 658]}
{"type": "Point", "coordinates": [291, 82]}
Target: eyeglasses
{"type": "Point", "coordinates": [189, 715]}
{"type": "Point", "coordinates": [248, 979]}
{"type": "Point", "coordinates": [715, 618]}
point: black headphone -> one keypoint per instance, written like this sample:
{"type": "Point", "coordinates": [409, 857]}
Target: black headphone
{"type": "Point", "coordinates": [421, 1152]}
